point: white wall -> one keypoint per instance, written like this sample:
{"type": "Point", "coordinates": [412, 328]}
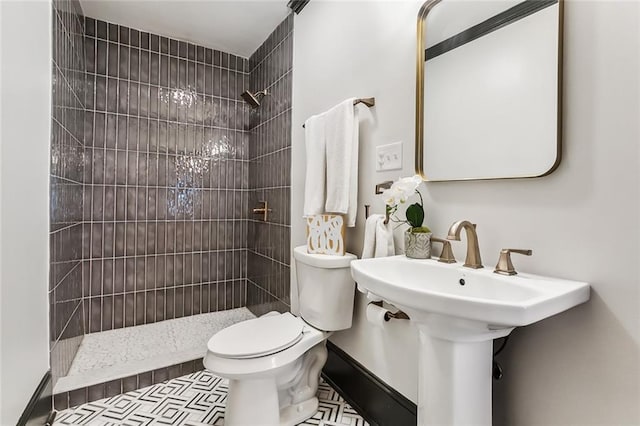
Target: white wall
{"type": "Point", "coordinates": [582, 222]}
{"type": "Point", "coordinates": [25, 116]}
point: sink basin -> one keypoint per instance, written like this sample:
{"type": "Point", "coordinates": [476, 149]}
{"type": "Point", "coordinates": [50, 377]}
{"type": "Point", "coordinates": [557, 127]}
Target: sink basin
{"type": "Point", "coordinates": [471, 294]}
{"type": "Point", "coordinates": [458, 312]}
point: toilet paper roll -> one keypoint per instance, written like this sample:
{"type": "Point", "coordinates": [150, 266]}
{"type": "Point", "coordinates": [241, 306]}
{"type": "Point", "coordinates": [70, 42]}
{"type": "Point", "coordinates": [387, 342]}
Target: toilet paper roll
{"type": "Point", "coordinates": [376, 315]}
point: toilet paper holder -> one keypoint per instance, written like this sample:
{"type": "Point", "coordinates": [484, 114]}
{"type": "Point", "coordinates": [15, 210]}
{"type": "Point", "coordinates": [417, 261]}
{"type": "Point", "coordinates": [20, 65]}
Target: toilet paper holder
{"type": "Point", "coordinates": [392, 315]}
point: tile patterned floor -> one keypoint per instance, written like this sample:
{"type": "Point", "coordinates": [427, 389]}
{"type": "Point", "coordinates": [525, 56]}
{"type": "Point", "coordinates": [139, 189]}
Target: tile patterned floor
{"type": "Point", "coordinates": [194, 400]}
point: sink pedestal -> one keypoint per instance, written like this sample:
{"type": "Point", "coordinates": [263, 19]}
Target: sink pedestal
{"type": "Point", "coordinates": [459, 311]}
{"type": "Point", "coordinates": [455, 372]}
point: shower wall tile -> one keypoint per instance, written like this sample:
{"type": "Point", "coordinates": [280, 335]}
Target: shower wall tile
{"type": "Point", "coordinates": [269, 176]}
{"type": "Point", "coordinates": [259, 301]}
{"type": "Point", "coordinates": [68, 160]}
{"type": "Point", "coordinates": [167, 193]}
{"type": "Point", "coordinates": [155, 163]}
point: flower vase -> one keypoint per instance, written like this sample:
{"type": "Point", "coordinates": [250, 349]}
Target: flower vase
{"type": "Point", "coordinates": [417, 245]}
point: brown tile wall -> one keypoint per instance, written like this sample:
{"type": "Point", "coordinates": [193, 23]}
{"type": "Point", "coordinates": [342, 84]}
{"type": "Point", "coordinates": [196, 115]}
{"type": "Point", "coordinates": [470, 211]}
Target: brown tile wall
{"type": "Point", "coordinates": [66, 187]}
{"type": "Point", "coordinates": [166, 194]}
{"type": "Point", "coordinates": [269, 250]}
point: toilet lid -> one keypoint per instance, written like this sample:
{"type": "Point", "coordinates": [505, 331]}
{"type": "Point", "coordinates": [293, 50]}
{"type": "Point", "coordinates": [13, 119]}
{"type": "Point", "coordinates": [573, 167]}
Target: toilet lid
{"type": "Point", "coordinates": [257, 337]}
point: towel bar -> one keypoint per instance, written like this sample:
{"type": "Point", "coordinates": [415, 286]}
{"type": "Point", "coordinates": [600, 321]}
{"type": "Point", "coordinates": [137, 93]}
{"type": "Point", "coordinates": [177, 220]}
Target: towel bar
{"type": "Point", "coordinates": [383, 185]}
{"type": "Point", "coordinates": [367, 101]}
{"type": "Point", "coordinates": [366, 214]}
{"type": "Point", "coordinates": [379, 187]}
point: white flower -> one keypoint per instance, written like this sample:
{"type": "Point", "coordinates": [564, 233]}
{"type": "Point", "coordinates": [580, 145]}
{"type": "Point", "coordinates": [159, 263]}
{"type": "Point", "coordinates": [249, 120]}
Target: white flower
{"type": "Point", "coordinates": [401, 190]}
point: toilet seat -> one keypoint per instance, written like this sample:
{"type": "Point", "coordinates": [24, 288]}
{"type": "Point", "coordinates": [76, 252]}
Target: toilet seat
{"type": "Point", "coordinates": [257, 337]}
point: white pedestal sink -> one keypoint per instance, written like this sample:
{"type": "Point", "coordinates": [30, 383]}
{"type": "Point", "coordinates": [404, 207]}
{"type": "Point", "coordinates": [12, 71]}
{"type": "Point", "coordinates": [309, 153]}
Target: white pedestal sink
{"type": "Point", "coordinates": [458, 312]}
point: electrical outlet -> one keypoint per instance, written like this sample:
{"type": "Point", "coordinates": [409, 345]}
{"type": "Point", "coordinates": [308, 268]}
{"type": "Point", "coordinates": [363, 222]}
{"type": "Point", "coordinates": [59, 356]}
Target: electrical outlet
{"type": "Point", "coordinates": [389, 157]}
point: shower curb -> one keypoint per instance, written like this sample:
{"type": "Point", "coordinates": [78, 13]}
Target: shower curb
{"type": "Point", "coordinates": [75, 397]}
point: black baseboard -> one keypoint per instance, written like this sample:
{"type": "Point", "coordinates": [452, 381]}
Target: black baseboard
{"type": "Point", "coordinates": [40, 405]}
{"type": "Point", "coordinates": [374, 400]}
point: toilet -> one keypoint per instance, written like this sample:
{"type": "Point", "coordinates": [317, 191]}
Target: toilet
{"type": "Point", "coordinates": [273, 362]}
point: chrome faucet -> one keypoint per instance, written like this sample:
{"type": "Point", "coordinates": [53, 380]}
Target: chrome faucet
{"type": "Point", "coordinates": [473, 251]}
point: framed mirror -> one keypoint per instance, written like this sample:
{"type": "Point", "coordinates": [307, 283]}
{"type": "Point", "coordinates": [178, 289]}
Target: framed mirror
{"type": "Point", "coordinates": [488, 89]}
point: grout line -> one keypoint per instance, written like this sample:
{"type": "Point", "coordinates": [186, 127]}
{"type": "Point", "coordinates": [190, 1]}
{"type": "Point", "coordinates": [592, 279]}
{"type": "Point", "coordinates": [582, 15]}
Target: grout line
{"type": "Point", "coordinates": [136, 256]}
{"type": "Point", "coordinates": [90, 230]}
{"type": "Point", "coordinates": [102, 214]}
{"type": "Point", "coordinates": [159, 53]}
{"type": "Point", "coordinates": [278, 151]}
{"type": "Point", "coordinates": [67, 130]}
{"type": "Point", "coordinates": [169, 154]}
{"type": "Point", "coordinates": [282, 225]}
{"type": "Point", "coordinates": [285, 74]}
{"type": "Point", "coordinates": [162, 120]}
{"type": "Point", "coordinates": [68, 321]}
{"type": "Point", "coordinates": [169, 87]}
{"type": "Point", "coordinates": [156, 289]}
{"type": "Point", "coordinates": [65, 179]}
{"type": "Point", "coordinates": [67, 33]}
{"type": "Point", "coordinates": [166, 221]}
{"type": "Point", "coordinates": [289, 34]}
{"type": "Point", "coordinates": [64, 77]}
{"type": "Point", "coordinates": [79, 262]}
{"type": "Point", "coordinates": [65, 228]}
{"type": "Point", "coordinates": [269, 120]}
{"type": "Point", "coordinates": [267, 291]}
{"type": "Point", "coordinates": [268, 257]}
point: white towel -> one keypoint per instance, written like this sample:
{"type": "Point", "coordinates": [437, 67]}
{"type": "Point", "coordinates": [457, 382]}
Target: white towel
{"type": "Point", "coordinates": [378, 238]}
{"type": "Point", "coordinates": [314, 185]}
{"type": "Point", "coordinates": [341, 134]}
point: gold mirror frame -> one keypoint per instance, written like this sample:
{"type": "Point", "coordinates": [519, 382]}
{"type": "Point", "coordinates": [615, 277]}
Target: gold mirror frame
{"type": "Point", "coordinates": [419, 152]}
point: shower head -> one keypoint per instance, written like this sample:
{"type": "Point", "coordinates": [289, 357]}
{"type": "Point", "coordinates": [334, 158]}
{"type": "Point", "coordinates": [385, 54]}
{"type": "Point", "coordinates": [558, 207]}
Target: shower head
{"type": "Point", "coordinates": [254, 100]}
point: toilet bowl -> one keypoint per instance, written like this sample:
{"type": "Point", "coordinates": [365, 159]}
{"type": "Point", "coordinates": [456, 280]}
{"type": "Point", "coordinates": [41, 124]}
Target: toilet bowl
{"type": "Point", "coordinates": [273, 362]}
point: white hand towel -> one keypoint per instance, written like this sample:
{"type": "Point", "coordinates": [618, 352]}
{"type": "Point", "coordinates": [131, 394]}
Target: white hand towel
{"type": "Point", "coordinates": [384, 240]}
{"type": "Point", "coordinates": [378, 238]}
{"type": "Point", "coordinates": [314, 185]}
{"type": "Point", "coordinates": [369, 246]}
{"type": "Point", "coordinates": [341, 134]}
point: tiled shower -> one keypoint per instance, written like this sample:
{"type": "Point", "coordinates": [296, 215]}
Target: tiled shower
{"type": "Point", "coordinates": [166, 196]}
{"type": "Point", "coordinates": [156, 164]}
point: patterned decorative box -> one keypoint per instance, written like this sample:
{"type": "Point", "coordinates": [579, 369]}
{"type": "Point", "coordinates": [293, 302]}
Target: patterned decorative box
{"type": "Point", "coordinates": [325, 234]}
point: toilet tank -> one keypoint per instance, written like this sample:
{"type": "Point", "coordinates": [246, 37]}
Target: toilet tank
{"type": "Point", "coordinates": [325, 289]}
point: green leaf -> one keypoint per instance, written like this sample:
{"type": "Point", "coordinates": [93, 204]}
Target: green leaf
{"type": "Point", "coordinates": [415, 215]}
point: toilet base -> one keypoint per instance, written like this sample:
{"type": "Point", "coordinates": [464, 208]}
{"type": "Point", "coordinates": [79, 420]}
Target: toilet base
{"type": "Point", "coordinates": [263, 411]}
{"type": "Point", "coordinates": [295, 414]}
{"type": "Point", "coordinates": [285, 396]}
{"type": "Point", "coordinates": [252, 402]}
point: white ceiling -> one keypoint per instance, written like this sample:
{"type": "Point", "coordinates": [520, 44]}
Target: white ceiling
{"type": "Point", "coordinates": [237, 27]}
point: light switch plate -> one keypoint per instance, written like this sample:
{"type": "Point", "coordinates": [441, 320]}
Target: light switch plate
{"type": "Point", "coordinates": [389, 157]}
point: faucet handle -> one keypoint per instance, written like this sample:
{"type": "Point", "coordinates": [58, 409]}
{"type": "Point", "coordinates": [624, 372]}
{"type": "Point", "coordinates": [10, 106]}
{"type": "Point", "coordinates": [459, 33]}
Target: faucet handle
{"type": "Point", "coordinates": [504, 266]}
{"type": "Point", "coordinates": [264, 210]}
{"type": "Point", "coordinates": [446, 256]}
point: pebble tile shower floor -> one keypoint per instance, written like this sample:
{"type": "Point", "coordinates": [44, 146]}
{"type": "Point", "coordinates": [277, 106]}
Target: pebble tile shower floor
{"type": "Point", "coordinates": [194, 400]}
{"type": "Point", "coordinates": [119, 353]}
